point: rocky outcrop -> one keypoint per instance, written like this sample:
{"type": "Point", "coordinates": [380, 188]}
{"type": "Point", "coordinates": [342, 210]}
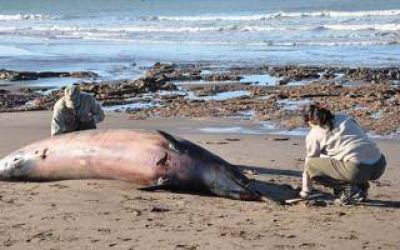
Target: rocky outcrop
{"type": "Point", "coordinates": [381, 75]}
{"type": "Point", "coordinates": [123, 89]}
{"type": "Point", "coordinates": [375, 106]}
{"type": "Point", "coordinates": [290, 73]}
{"type": "Point", "coordinates": [295, 73]}
{"type": "Point", "coordinates": [16, 102]}
{"type": "Point", "coordinates": [10, 75]}
{"type": "Point", "coordinates": [221, 77]}
{"type": "Point", "coordinates": [172, 72]}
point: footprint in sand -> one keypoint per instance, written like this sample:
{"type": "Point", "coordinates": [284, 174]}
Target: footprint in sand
{"type": "Point", "coordinates": [104, 230]}
{"type": "Point", "coordinates": [186, 247]}
{"type": "Point", "coordinates": [215, 142]}
{"type": "Point", "coordinates": [124, 239]}
{"type": "Point", "coordinates": [277, 138]}
{"type": "Point", "coordinates": [45, 235]}
{"type": "Point", "coordinates": [8, 243]}
{"type": "Point", "coordinates": [232, 139]}
{"type": "Point", "coordinates": [59, 186]}
{"type": "Point", "coordinates": [157, 209]}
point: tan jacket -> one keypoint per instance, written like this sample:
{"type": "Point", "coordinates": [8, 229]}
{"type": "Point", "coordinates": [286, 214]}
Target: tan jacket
{"type": "Point", "coordinates": [346, 142]}
{"type": "Point", "coordinates": [68, 120]}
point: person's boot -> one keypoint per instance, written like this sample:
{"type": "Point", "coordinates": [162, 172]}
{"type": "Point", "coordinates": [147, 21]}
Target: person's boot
{"type": "Point", "coordinates": [352, 193]}
{"type": "Point", "coordinates": [344, 194]}
{"type": "Point", "coordinates": [338, 190]}
{"type": "Point", "coordinates": [362, 192]}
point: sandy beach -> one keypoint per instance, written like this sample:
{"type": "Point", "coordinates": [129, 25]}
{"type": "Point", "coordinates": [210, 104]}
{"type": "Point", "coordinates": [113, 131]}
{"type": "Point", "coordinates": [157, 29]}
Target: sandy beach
{"type": "Point", "coordinates": [233, 77]}
{"type": "Point", "coordinates": [100, 214]}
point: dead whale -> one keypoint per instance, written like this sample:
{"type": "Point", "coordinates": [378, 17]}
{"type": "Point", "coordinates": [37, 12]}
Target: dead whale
{"type": "Point", "coordinates": [154, 160]}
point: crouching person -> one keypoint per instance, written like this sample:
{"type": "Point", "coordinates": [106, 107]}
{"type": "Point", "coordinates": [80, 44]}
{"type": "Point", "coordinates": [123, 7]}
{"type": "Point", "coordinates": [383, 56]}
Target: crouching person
{"type": "Point", "coordinates": [349, 158]}
{"type": "Point", "coordinates": [75, 111]}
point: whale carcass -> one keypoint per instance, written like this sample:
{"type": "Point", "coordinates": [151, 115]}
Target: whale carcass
{"type": "Point", "coordinates": [154, 160]}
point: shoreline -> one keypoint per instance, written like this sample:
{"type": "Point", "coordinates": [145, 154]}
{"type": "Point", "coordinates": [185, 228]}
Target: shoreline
{"type": "Point", "coordinates": [199, 126]}
{"type": "Point", "coordinates": [35, 125]}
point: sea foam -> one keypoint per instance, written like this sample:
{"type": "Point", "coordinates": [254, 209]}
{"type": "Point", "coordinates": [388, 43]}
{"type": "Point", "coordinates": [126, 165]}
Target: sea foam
{"type": "Point", "coordinates": [20, 17]}
{"type": "Point", "coordinates": [275, 15]}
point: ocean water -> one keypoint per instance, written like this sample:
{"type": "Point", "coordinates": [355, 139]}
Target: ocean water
{"type": "Point", "coordinates": [117, 38]}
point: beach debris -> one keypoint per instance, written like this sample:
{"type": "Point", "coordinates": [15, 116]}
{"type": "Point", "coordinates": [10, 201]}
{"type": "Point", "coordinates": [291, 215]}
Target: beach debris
{"type": "Point", "coordinates": [297, 200]}
{"type": "Point", "coordinates": [315, 203]}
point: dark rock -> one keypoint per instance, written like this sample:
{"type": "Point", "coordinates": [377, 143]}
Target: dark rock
{"type": "Point", "coordinates": [283, 81]}
{"type": "Point", "coordinates": [159, 209]}
{"type": "Point", "coordinates": [17, 76]}
{"type": "Point", "coordinates": [221, 77]}
{"type": "Point", "coordinates": [168, 86]}
{"type": "Point", "coordinates": [29, 75]}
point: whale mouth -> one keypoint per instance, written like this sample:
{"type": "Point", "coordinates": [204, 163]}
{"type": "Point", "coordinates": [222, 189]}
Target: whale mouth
{"type": "Point", "coordinates": [11, 166]}
{"type": "Point", "coordinates": [243, 186]}
{"type": "Point", "coordinates": [16, 166]}
{"type": "Point", "coordinates": [228, 181]}
{"type": "Point", "coordinates": [247, 192]}
{"type": "Point", "coordinates": [214, 175]}
{"type": "Point", "coordinates": [253, 192]}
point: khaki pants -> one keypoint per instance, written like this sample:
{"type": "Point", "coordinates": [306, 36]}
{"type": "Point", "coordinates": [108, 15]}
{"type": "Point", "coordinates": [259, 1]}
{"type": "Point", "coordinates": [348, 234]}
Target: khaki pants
{"type": "Point", "coordinates": [348, 172]}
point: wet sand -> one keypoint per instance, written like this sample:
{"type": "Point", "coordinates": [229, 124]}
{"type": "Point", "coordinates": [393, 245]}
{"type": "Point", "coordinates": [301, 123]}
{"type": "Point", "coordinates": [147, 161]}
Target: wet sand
{"type": "Point", "coordinates": [99, 214]}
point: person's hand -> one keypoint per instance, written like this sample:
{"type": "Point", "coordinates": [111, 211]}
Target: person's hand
{"type": "Point", "coordinates": [86, 118]}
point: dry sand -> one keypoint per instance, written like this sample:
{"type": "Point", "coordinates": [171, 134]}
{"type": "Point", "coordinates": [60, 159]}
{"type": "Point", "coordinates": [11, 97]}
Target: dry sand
{"type": "Point", "coordinates": [99, 214]}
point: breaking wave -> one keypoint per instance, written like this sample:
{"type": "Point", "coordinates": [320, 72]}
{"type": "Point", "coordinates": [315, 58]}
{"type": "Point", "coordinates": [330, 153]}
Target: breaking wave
{"type": "Point", "coordinates": [355, 27]}
{"type": "Point", "coordinates": [20, 17]}
{"type": "Point", "coordinates": [275, 15]}
{"type": "Point", "coordinates": [125, 30]}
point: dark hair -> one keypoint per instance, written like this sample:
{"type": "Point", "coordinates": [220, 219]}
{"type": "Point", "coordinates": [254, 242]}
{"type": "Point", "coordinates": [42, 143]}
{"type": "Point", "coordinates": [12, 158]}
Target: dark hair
{"type": "Point", "coordinates": [318, 115]}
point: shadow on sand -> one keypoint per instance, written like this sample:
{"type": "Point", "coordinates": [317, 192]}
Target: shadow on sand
{"type": "Point", "coordinates": [273, 191]}
{"type": "Point", "coordinates": [281, 192]}
{"type": "Point", "coordinates": [278, 192]}
{"type": "Point", "coordinates": [380, 203]}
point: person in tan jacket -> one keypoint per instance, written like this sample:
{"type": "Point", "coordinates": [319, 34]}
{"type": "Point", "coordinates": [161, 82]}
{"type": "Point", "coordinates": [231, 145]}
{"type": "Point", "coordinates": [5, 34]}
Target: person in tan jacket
{"type": "Point", "coordinates": [339, 155]}
{"type": "Point", "coordinates": [75, 111]}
